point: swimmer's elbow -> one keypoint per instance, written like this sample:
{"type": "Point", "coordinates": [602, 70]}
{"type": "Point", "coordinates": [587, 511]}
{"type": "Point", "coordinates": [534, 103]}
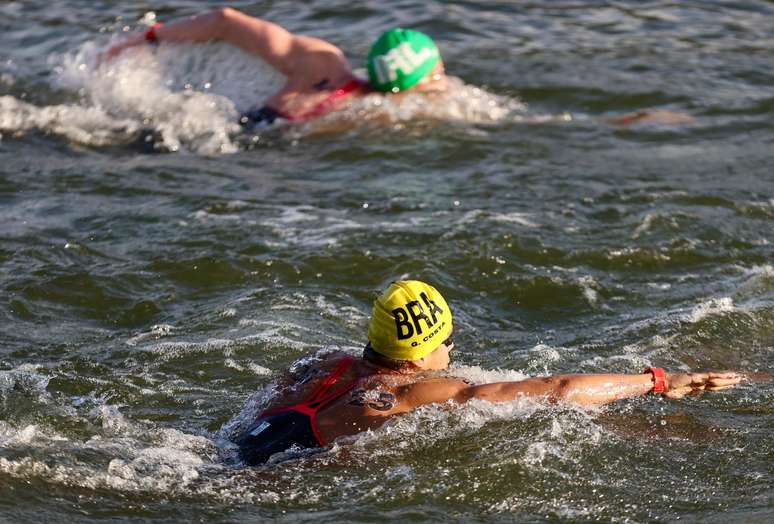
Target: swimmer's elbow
{"type": "Point", "coordinates": [551, 388]}
{"type": "Point", "coordinates": [222, 18]}
{"type": "Point", "coordinates": [562, 388]}
{"type": "Point", "coordinates": [496, 392]}
{"type": "Point", "coordinates": [464, 395]}
{"type": "Point", "coordinates": [224, 14]}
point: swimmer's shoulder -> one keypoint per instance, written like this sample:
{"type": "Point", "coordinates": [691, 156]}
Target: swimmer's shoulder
{"type": "Point", "coordinates": [429, 389]}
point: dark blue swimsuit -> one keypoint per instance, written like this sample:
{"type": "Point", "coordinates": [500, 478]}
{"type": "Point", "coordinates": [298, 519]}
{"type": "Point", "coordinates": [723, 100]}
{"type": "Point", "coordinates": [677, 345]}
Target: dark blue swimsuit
{"type": "Point", "coordinates": [258, 118]}
{"type": "Point", "coordinates": [279, 429]}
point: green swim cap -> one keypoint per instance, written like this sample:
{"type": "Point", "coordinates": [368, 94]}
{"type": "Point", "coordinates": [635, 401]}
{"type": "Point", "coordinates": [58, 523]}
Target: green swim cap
{"type": "Point", "coordinates": [400, 58]}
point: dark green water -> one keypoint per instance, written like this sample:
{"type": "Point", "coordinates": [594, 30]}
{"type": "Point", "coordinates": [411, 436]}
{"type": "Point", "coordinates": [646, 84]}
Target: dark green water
{"type": "Point", "coordinates": [146, 298]}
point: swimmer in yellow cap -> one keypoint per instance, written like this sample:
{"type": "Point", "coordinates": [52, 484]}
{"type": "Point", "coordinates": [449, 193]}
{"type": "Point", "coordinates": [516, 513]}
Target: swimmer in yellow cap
{"type": "Point", "coordinates": [409, 343]}
{"type": "Point", "coordinates": [318, 75]}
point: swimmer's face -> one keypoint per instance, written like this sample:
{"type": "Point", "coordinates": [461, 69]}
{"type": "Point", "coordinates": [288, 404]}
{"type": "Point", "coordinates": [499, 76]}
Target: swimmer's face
{"type": "Point", "coordinates": [435, 80]}
{"type": "Point", "coordinates": [440, 357]}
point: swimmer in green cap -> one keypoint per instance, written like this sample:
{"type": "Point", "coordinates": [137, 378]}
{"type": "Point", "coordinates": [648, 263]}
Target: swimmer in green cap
{"type": "Point", "coordinates": [319, 78]}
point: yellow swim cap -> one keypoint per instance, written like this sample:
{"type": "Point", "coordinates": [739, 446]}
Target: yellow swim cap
{"type": "Point", "coordinates": [410, 320]}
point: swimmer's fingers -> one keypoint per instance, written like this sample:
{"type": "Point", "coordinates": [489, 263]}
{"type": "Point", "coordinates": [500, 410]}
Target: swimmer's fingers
{"type": "Point", "coordinates": [724, 374]}
{"type": "Point", "coordinates": [719, 387]}
{"type": "Point", "coordinates": [720, 381]}
{"type": "Point", "coordinates": [678, 385]}
{"type": "Point", "coordinates": [680, 392]}
{"type": "Point", "coordinates": [723, 379]}
{"type": "Point", "coordinates": [682, 384]}
{"type": "Point", "coordinates": [676, 393]}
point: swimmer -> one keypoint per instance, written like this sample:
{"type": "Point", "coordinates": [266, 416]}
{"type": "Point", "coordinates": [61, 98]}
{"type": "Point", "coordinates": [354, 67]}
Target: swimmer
{"type": "Point", "coordinates": [319, 78]}
{"type": "Point", "coordinates": [403, 366]}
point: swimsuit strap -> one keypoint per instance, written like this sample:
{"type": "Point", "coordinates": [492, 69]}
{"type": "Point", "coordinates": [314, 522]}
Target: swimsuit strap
{"type": "Point", "coordinates": [322, 107]}
{"type": "Point", "coordinates": [323, 395]}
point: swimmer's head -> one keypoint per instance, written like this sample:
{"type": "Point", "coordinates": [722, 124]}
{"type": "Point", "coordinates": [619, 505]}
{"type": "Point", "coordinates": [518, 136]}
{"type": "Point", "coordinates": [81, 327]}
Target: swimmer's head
{"type": "Point", "coordinates": [410, 320]}
{"type": "Point", "coordinates": [401, 59]}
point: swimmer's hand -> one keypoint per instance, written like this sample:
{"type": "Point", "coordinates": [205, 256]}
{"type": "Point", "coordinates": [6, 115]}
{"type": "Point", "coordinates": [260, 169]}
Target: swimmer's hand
{"type": "Point", "coordinates": [681, 384]}
{"type": "Point", "coordinates": [115, 50]}
{"type": "Point", "coordinates": [653, 116]}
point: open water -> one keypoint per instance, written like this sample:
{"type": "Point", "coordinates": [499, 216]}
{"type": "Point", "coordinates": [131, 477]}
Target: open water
{"type": "Point", "coordinates": [147, 300]}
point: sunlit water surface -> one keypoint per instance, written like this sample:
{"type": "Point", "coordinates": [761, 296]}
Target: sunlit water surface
{"type": "Point", "coordinates": [152, 291]}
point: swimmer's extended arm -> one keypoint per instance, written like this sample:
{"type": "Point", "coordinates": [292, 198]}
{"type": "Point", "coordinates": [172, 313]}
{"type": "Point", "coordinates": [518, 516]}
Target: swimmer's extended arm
{"type": "Point", "coordinates": [653, 116]}
{"type": "Point", "coordinates": [593, 390]}
{"type": "Point", "coordinates": [268, 40]}
{"type": "Point", "coordinates": [282, 50]}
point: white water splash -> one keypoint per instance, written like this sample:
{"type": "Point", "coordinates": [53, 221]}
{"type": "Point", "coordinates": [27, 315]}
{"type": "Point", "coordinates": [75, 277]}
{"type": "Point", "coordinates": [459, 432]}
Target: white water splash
{"type": "Point", "coordinates": [28, 435]}
{"type": "Point", "coordinates": [522, 219]}
{"type": "Point", "coordinates": [479, 375]}
{"type": "Point", "coordinates": [156, 332]}
{"type": "Point", "coordinates": [85, 125]}
{"type": "Point", "coordinates": [460, 102]}
{"type": "Point", "coordinates": [161, 461]}
{"type": "Point", "coordinates": [23, 378]}
{"type": "Point", "coordinates": [759, 281]}
{"type": "Point", "coordinates": [713, 306]}
{"type": "Point", "coordinates": [589, 287]}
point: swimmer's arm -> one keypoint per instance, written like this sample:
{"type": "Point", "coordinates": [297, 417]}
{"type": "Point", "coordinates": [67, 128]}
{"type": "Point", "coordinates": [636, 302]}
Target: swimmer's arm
{"type": "Point", "coordinates": [280, 48]}
{"type": "Point", "coordinates": [594, 390]}
{"type": "Point", "coordinates": [270, 41]}
{"type": "Point", "coordinates": [653, 116]}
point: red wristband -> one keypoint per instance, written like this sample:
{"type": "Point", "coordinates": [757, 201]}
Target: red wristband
{"type": "Point", "coordinates": [659, 379]}
{"type": "Point", "coordinates": [150, 34]}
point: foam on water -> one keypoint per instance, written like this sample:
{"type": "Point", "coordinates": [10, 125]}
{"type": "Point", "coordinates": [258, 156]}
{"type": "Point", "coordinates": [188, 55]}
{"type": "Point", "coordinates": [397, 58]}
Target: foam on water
{"type": "Point", "coordinates": [292, 226]}
{"type": "Point", "coordinates": [272, 334]}
{"type": "Point", "coordinates": [713, 306]}
{"type": "Point", "coordinates": [759, 280]}
{"type": "Point", "coordinates": [23, 378]}
{"type": "Point", "coordinates": [479, 375]}
{"type": "Point", "coordinates": [514, 217]}
{"type": "Point", "coordinates": [459, 103]}
{"type": "Point", "coordinates": [157, 331]}
{"type": "Point", "coordinates": [85, 125]}
{"type": "Point", "coordinates": [140, 458]}
{"type": "Point", "coordinates": [28, 435]}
